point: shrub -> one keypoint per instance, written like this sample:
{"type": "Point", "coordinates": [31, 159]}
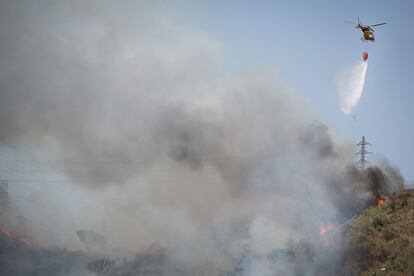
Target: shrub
{"type": "Point", "coordinates": [378, 223]}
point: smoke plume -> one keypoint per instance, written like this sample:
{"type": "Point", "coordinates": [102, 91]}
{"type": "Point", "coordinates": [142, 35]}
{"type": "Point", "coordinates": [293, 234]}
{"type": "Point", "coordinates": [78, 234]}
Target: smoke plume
{"type": "Point", "coordinates": [134, 108]}
{"type": "Point", "coordinates": [351, 86]}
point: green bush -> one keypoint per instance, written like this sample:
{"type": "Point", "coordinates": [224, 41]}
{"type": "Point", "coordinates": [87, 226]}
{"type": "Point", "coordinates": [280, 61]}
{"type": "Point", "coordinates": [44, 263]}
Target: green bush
{"type": "Point", "coordinates": [378, 223]}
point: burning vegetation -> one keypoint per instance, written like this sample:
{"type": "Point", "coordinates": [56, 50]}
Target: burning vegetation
{"type": "Point", "coordinates": [381, 200]}
{"type": "Point", "coordinates": [323, 230]}
{"type": "Point", "coordinates": [380, 240]}
{"type": "Point", "coordinates": [9, 237]}
{"type": "Point", "coordinates": [152, 143]}
{"type": "Point", "coordinates": [343, 249]}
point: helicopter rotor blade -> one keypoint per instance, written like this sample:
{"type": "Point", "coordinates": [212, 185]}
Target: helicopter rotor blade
{"type": "Point", "coordinates": [378, 24]}
{"type": "Point", "coordinates": [355, 24]}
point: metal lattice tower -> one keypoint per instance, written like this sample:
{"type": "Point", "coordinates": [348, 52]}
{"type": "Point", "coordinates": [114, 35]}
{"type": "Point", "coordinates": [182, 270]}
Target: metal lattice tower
{"type": "Point", "coordinates": [362, 153]}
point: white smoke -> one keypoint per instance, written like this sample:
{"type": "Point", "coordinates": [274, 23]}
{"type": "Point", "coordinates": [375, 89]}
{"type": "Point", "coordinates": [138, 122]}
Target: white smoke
{"type": "Point", "coordinates": [161, 145]}
{"type": "Point", "coordinates": [351, 86]}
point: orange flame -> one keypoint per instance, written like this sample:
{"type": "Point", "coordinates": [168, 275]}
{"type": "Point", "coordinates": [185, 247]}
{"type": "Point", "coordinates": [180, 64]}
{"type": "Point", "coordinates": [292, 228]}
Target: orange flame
{"type": "Point", "coordinates": [13, 236]}
{"type": "Point", "coordinates": [26, 242]}
{"type": "Point", "coordinates": [6, 232]}
{"type": "Point", "coordinates": [381, 201]}
{"type": "Point", "coordinates": [327, 229]}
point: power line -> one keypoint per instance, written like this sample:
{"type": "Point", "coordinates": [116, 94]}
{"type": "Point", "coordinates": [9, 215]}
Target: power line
{"type": "Point", "coordinates": [53, 208]}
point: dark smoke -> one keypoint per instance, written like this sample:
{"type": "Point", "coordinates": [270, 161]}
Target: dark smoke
{"type": "Point", "coordinates": [134, 105]}
{"type": "Point", "coordinates": [358, 188]}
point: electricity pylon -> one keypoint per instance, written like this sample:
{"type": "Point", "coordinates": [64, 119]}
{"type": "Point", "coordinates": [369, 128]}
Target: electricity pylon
{"type": "Point", "coordinates": [362, 153]}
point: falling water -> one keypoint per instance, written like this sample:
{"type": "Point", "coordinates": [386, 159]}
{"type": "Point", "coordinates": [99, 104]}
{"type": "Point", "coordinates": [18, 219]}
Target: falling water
{"type": "Point", "coordinates": [351, 86]}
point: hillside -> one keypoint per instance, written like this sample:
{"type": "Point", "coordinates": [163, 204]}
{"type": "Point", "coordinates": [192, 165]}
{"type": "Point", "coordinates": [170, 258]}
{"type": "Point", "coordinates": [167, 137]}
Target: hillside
{"type": "Point", "coordinates": [381, 240]}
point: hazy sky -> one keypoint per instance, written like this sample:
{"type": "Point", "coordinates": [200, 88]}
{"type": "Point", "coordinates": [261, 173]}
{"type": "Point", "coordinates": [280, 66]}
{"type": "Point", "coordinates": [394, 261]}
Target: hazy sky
{"type": "Point", "coordinates": [308, 44]}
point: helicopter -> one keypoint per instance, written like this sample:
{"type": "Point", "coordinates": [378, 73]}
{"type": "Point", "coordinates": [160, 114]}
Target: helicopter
{"type": "Point", "coordinates": [368, 32]}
